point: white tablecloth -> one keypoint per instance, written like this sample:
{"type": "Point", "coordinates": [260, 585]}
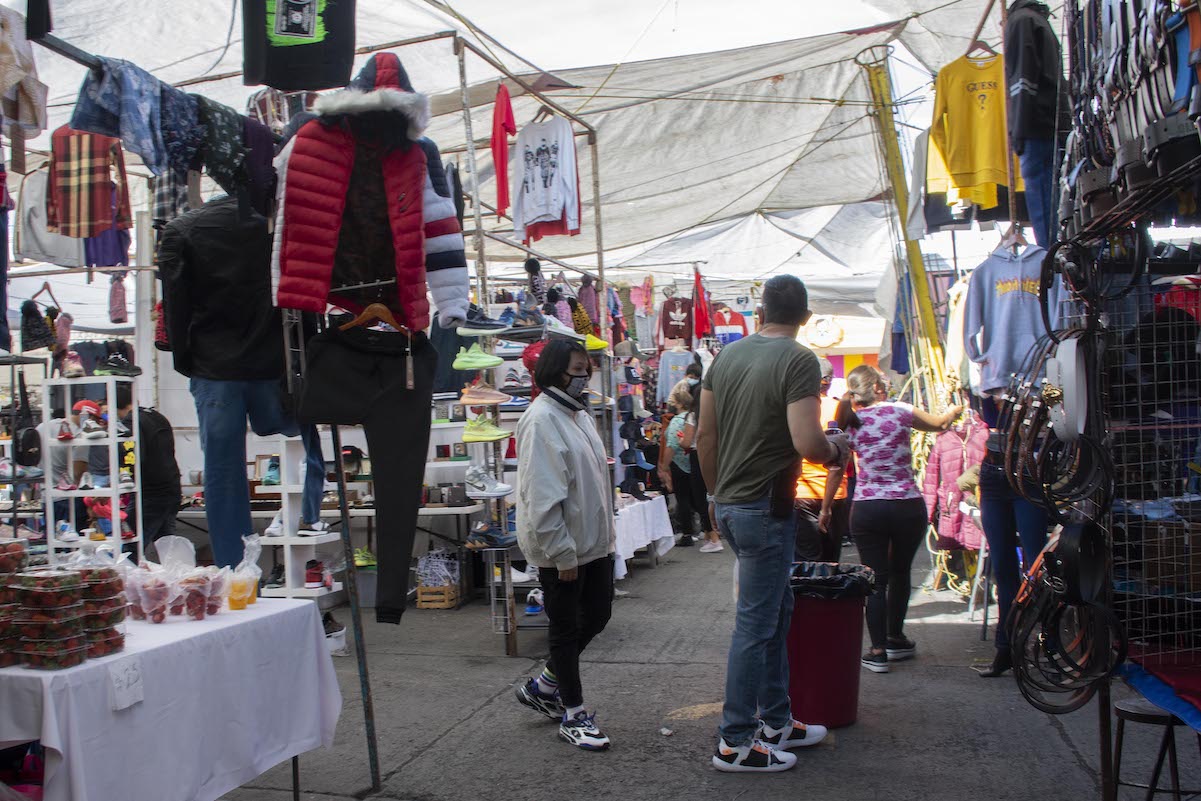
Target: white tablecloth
{"type": "Point", "coordinates": [225, 699]}
{"type": "Point", "coordinates": [638, 526]}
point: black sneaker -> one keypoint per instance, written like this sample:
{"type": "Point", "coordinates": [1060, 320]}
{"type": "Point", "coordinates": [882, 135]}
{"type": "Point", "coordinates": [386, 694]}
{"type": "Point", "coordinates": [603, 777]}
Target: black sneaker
{"type": "Point", "coordinates": [330, 625]}
{"type": "Point", "coordinates": [685, 541]}
{"type": "Point", "coordinates": [900, 649]}
{"type": "Point", "coordinates": [754, 757]}
{"type": "Point", "coordinates": [582, 732]}
{"type": "Point", "coordinates": [276, 580]}
{"type": "Point", "coordinates": [479, 324]}
{"type": "Point", "coordinates": [116, 364]}
{"type": "Point", "coordinates": [876, 663]}
{"type": "Point", "coordinates": [529, 695]}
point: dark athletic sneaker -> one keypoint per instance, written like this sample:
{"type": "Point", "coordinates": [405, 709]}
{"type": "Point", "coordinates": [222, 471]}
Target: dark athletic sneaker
{"type": "Point", "coordinates": [900, 649]}
{"type": "Point", "coordinates": [529, 695]}
{"type": "Point", "coordinates": [582, 732]}
{"type": "Point", "coordinates": [876, 663]}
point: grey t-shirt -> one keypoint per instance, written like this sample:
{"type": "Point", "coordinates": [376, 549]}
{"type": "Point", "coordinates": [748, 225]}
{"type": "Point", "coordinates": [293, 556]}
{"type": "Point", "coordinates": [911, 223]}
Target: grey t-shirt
{"type": "Point", "coordinates": [753, 380]}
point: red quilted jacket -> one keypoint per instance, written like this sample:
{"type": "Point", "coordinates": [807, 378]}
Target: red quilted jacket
{"type": "Point", "coordinates": [953, 453]}
{"type": "Point", "coordinates": [363, 198]}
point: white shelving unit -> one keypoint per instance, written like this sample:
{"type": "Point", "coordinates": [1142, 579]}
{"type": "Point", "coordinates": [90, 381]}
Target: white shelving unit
{"type": "Point", "coordinates": [56, 549]}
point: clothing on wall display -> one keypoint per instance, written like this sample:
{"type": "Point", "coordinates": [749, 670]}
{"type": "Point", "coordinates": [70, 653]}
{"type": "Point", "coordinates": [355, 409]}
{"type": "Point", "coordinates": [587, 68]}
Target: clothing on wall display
{"type": "Point", "coordinates": [79, 200]}
{"type": "Point", "coordinates": [1003, 318]}
{"type": "Point", "coordinates": [969, 127]}
{"type": "Point", "coordinates": [22, 95]}
{"type": "Point", "coordinates": [675, 320]}
{"type": "Point", "coordinates": [728, 326]}
{"type": "Point", "coordinates": [123, 100]}
{"type": "Point", "coordinates": [545, 180]}
{"type": "Point", "coordinates": [954, 452]}
{"type": "Point", "coordinates": [298, 44]}
{"type": "Point", "coordinates": [672, 364]}
{"type": "Point", "coordinates": [503, 126]}
{"type": "Point", "coordinates": [32, 238]}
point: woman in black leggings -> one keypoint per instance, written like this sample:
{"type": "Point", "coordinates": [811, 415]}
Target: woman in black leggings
{"type": "Point", "coordinates": [888, 516]}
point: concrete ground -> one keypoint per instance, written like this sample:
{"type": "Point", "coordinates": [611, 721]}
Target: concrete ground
{"type": "Point", "coordinates": [450, 729]}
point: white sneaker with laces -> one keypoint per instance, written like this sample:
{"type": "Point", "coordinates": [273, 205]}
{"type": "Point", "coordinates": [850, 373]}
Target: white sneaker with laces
{"type": "Point", "coordinates": [482, 484]}
{"type": "Point", "coordinates": [126, 480]}
{"type": "Point", "coordinates": [582, 732]}
{"type": "Point", "coordinates": [754, 757]}
{"type": "Point", "coordinates": [93, 430]}
{"type": "Point", "coordinates": [556, 326]}
{"type": "Point", "coordinates": [276, 527]}
{"type": "Point", "coordinates": [794, 735]}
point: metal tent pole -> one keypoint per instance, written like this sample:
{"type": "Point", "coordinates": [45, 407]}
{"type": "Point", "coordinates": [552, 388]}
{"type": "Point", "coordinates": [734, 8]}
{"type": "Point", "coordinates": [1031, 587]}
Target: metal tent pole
{"type": "Point", "coordinates": [481, 273]}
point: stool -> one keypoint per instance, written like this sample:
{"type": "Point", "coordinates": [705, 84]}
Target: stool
{"type": "Point", "coordinates": [1140, 710]}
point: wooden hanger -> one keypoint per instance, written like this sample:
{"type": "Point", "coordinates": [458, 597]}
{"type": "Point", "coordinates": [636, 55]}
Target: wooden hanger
{"type": "Point", "coordinates": [46, 288]}
{"type": "Point", "coordinates": [544, 112]}
{"type": "Point", "coordinates": [980, 45]}
{"type": "Point", "coordinates": [375, 312]}
{"type": "Point", "coordinates": [1014, 238]}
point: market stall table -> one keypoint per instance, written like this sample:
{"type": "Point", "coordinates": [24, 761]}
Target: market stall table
{"type": "Point", "coordinates": [218, 702]}
{"type": "Point", "coordinates": [642, 524]}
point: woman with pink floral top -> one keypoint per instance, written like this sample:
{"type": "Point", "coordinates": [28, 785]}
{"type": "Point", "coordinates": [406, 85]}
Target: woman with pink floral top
{"type": "Point", "coordinates": [888, 516]}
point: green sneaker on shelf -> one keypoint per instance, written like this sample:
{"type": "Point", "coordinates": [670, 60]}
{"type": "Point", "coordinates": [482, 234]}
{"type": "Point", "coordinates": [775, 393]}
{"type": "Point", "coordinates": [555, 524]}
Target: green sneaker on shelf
{"type": "Point", "coordinates": [363, 557]}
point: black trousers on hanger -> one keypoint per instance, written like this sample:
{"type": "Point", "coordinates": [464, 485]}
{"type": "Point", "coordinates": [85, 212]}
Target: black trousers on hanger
{"type": "Point", "coordinates": [357, 377]}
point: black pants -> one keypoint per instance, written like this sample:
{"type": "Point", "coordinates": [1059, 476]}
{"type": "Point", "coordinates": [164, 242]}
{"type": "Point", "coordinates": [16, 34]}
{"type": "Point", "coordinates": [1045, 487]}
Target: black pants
{"type": "Point", "coordinates": [578, 611]}
{"type": "Point", "coordinates": [687, 502]}
{"type": "Point", "coordinates": [158, 515]}
{"type": "Point", "coordinates": [357, 377]}
{"type": "Point", "coordinates": [888, 534]}
{"type": "Point", "coordinates": [699, 493]}
{"type": "Point", "coordinates": [811, 544]}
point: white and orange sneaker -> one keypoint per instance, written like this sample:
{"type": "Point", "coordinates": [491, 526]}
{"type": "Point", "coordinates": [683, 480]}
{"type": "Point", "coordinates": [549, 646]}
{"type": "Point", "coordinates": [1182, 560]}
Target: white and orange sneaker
{"type": "Point", "coordinates": [754, 757]}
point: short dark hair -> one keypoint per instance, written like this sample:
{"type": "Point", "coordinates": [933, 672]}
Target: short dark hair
{"type": "Point", "coordinates": [553, 362]}
{"type": "Point", "coordinates": [696, 401]}
{"type": "Point", "coordinates": [124, 395]}
{"type": "Point", "coordinates": [785, 301]}
{"type": "Point", "coordinates": [693, 370]}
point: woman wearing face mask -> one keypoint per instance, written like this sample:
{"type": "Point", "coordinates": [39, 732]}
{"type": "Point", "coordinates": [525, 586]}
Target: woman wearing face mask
{"type": "Point", "coordinates": [679, 400]}
{"type": "Point", "coordinates": [888, 518]}
{"type": "Point", "coordinates": [565, 528]}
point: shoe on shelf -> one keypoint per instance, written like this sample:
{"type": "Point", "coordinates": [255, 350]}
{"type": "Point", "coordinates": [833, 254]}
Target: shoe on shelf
{"type": "Point", "coordinates": [899, 649]}
{"type": "Point", "coordinates": [64, 533]}
{"type": "Point", "coordinates": [529, 695]}
{"type": "Point", "coordinates": [73, 366]}
{"type": "Point", "coordinates": [754, 757]}
{"type": "Point", "coordinates": [314, 575]}
{"type": "Point", "coordinates": [515, 577]}
{"type": "Point", "coordinates": [484, 535]}
{"type": "Point", "coordinates": [507, 317]}
{"type": "Point", "coordinates": [86, 482]}
{"type": "Point", "coordinates": [512, 378]}
{"type": "Point", "coordinates": [116, 364]}
{"type": "Point", "coordinates": [65, 434]}
{"type": "Point", "coordinates": [794, 735]}
{"type": "Point", "coordinates": [313, 529]}
{"type": "Point", "coordinates": [711, 546]}
{"type": "Point", "coordinates": [8, 470]}
{"type": "Point", "coordinates": [482, 393]}
{"type": "Point", "coordinates": [528, 318]}
{"type": "Point", "coordinates": [474, 358]}
{"type": "Point", "coordinates": [594, 344]}
{"type": "Point", "coordinates": [481, 429]}
{"type": "Point", "coordinates": [533, 603]}
{"type": "Point", "coordinates": [123, 431]}
{"type": "Point", "coordinates": [29, 472]}
{"type": "Point", "coordinates": [556, 327]}
{"type": "Point", "coordinates": [65, 486]}
{"type": "Point", "coordinates": [482, 484]}
{"type": "Point", "coordinates": [582, 732]}
{"type": "Point", "coordinates": [271, 474]}
{"type": "Point", "coordinates": [515, 404]}
{"type": "Point", "coordinates": [126, 481]}
{"type": "Point", "coordinates": [92, 429]}
{"type": "Point", "coordinates": [276, 580]}
{"type": "Point", "coordinates": [363, 557]}
{"type": "Point", "coordinates": [276, 527]}
{"type": "Point", "coordinates": [479, 324]}
{"type": "Point", "coordinates": [876, 663]}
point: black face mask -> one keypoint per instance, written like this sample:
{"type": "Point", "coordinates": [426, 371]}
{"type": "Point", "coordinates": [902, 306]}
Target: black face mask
{"type": "Point", "coordinates": [576, 385]}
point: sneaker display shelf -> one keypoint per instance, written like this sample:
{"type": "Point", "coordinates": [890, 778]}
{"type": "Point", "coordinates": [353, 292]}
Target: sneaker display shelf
{"type": "Point", "coordinates": [10, 506]}
{"type": "Point", "coordinates": [77, 451]}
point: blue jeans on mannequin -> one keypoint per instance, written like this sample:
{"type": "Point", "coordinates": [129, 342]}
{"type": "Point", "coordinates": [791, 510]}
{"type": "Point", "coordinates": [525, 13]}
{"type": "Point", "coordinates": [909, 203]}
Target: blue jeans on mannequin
{"type": "Point", "coordinates": [1008, 519]}
{"type": "Point", "coordinates": [1038, 164]}
{"type": "Point", "coordinates": [223, 408]}
{"type": "Point", "coordinates": [757, 667]}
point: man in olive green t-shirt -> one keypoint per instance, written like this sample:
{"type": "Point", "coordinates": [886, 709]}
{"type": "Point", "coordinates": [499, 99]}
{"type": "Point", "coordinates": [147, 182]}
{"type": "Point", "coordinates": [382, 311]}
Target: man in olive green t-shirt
{"type": "Point", "coordinates": [759, 415]}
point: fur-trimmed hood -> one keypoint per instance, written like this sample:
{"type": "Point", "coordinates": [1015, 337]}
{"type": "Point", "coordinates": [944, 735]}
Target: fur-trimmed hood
{"type": "Point", "coordinates": [381, 86]}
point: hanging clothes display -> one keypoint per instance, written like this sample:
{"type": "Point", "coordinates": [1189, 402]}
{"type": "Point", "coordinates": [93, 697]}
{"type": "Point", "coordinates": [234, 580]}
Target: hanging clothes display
{"type": "Point", "coordinates": [672, 365]}
{"type": "Point", "coordinates": [1003, 318]}
{"type": "Point", "coordinates": [298, 44]}
{"type": "Point", "coordinates": [969, 127]}
{"type": "Point", "coordinates": [954, 453]}
{"type": "Point", "coordinates": [79, 200]}
{"type": "Point", "coordinates": [392, 216]}
{"type": "Point", "coordinates": [588, 299]}
{"type": "Point", "coordinates": [32, 238]}
{"type": "Point", "coordinates": [728, 326]}
{"type": "Point", "coordinates": [503, 126]}
{"type": "Point", "coordinates": [546, 182]}
{"type": "Point", "coordinates": [22, 95]}
{"type": "Point", "coordinates": [702, 321]}
{"type": "Point", "coordinates": [123, 100]}
{"type": "Point", "coordinates": [675, 320]}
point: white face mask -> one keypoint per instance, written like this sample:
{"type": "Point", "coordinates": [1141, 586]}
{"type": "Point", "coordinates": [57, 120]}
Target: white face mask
{"type": "Point", "coordinates": [576, 386]}
{"type": "Point", "coordinates": [692, 382]}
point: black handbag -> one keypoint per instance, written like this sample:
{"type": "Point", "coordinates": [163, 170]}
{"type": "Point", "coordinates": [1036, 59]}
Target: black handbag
{"type": "Point", "coordinates": [27, 441]}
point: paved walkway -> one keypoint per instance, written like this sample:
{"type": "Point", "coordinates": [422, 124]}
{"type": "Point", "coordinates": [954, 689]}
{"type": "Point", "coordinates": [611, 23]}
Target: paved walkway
{"type": "Point", "coordinates": [449, 728]}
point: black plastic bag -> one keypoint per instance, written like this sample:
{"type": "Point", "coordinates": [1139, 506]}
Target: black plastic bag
{"type": "Point", "coordinates": [831, 580]}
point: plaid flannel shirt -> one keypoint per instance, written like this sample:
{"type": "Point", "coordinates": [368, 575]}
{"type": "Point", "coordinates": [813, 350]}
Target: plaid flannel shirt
{"type": "Point", "coordinates": [83, 168]}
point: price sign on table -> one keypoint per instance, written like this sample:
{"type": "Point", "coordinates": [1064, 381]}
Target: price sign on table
{"type": "Point", "coordinates": [125, 682]}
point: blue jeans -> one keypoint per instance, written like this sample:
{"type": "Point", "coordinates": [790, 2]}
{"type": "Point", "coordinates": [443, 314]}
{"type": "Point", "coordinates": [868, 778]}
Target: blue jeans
{"type": "Point", "coordinates": [1008, 519]}
{"type": "Point", "coordinates": [223, 408]}
{"type": "Point", "coordinates": [1038, 163]}
{"type": "Point", "coordinates": [757, 668]}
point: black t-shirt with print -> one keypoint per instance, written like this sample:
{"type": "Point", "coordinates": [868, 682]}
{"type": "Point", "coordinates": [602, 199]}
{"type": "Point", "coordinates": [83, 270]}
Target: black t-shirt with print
{"type": "Point", "coordinates": [298, 44]}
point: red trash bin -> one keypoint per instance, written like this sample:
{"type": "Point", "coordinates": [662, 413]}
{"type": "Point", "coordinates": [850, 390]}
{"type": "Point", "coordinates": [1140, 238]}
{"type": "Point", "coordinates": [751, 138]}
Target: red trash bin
{"type": "Point", "coordinates": [824, 643]}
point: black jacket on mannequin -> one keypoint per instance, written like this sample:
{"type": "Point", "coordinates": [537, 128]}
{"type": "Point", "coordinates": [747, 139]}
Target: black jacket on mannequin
{"type": "Point", "coordinates": [215, 264]}
{"type": "Point", "coordinates": [1034, 74]}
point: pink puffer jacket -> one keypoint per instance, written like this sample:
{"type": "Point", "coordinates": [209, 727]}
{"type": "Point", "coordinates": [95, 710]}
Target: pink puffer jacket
{"type": "Point", "coordinates": [953, 453]}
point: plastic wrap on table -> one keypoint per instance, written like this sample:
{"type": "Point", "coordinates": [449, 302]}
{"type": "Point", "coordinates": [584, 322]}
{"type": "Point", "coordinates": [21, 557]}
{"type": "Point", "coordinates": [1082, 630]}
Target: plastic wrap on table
{"type": "Point", "coordinates": [244, 580]}
{"type": "Point", "coordinates": [832, 580]}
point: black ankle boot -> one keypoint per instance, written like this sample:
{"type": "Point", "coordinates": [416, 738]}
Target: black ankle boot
{"type": "Point", "coordinates": [1001, 664]}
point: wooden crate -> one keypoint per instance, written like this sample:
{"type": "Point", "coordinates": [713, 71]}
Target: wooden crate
{"type": "Point", "coordinates": [446, 597]}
